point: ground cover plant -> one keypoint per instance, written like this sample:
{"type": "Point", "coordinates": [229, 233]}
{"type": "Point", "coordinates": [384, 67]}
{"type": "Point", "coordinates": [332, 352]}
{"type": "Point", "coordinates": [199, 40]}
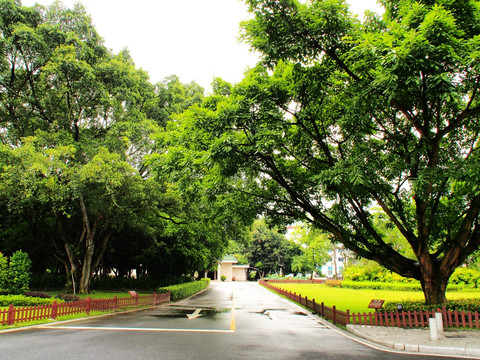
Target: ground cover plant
{"type": "Point", "coordinates": [357, 300]}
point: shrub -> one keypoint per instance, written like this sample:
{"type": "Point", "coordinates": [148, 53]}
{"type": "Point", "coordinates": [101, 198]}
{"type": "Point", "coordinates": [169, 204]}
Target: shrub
{"type": "Point", "coordinates": [38, 294]}
{"type": "Point", "coordinates": [3, 273]}
{"type": "Point", "coordinates": [185, 290]}
{"type": "Point", "coordinates": [68, 297]}
{"type": "Point", "coordinates": [466, 277]}
{"type": "Point", "coordinates": [19, 273]}
{"type": "Point", "coordinates": [223, 277]}
{"type": "Point", "coordinates": [333, 283]}
{"type": "Point", "coordinates": [373, 272]}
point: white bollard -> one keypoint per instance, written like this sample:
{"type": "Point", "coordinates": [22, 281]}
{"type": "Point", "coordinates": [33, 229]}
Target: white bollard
{"type": "Point", "coordinates": [439, 319]}
{"type": "Point", "coordinates": [433, 329]}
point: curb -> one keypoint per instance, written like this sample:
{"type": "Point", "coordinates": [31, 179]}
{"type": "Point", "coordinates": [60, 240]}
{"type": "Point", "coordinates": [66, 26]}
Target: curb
{"type": "Point", "coordinates": [465, 352]}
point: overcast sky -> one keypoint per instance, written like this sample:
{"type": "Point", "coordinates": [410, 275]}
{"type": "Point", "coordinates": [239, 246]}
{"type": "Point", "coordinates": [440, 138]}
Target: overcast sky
{"type": "Point", "coordinates": [194, 39]}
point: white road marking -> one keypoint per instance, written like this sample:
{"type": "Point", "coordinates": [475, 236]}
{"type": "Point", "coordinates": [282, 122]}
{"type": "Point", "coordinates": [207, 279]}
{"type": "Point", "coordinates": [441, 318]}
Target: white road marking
{"type": "Point", "coordinates": [134, 329]}
{"type": "Point", "coordinates": [194, 315]}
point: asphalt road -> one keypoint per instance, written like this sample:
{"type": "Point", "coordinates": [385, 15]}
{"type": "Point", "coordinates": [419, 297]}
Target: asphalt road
{"type": "Point", "coordinates": [228, 321]}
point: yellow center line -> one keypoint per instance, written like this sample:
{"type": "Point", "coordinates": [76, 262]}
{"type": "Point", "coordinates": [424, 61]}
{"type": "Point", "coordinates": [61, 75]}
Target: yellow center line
{"type": "Point", "coordinates": [232, 318]}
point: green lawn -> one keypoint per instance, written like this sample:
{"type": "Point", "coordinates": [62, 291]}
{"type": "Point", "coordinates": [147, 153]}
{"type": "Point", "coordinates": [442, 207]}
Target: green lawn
{"type": "Point", "coordinates": [358, 300]}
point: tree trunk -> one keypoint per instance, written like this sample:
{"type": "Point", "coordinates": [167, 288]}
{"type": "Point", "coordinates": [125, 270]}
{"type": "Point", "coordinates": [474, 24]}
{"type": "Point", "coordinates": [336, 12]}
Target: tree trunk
{"type": "Point", "coordinates": [89, 232]}
{"type": "Point", "coordinates": [434, 289]}
{"type": "Point", "coordinates": [92, 259]}
{"type": "Point", "coordinates": [84, 286]}
{"type": "Point", "coordinates": [335, 274]}
{"type": "Point", "coordinates": [434, 279]}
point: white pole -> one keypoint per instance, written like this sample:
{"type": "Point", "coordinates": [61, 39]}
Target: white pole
{"type": "Point", "coordinates": [433, 329]}
{"type": "Point", "coordinates": [439, 319]}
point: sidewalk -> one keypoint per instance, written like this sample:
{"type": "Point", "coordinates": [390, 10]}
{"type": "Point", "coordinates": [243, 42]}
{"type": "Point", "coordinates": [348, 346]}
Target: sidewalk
{"type": "Point", "coordinates": [454, 342]}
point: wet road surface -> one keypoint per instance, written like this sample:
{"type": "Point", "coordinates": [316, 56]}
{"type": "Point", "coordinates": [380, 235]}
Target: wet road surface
{"type": "Point", "coordinates": [228, 321]}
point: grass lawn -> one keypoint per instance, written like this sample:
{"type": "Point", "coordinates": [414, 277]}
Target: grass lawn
{"type": "Point", "coordinates": [357, 300]}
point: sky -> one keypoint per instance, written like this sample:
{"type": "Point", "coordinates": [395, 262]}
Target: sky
{"type": "Point", "coordinates": [196, 40]}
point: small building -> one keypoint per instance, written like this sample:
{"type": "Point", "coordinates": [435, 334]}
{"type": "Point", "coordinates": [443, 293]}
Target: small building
{"type": "Point", "coordinates": [229, 267]}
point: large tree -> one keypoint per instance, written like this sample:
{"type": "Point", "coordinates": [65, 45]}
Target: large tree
{"type": "Point", "coordinates": [269, 251]}
{"type": "Point", "coordinates": [344, 115]}
{"type": "Point", "coordinates": [74, 132]}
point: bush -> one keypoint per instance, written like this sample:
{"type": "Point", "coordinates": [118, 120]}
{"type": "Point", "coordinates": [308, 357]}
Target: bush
{"type": "Point", "coordinates": [3, 273]}
{"type": "Point", "coordinates": [185, 290]}
{"type": "Point", "coordinates": [373, 272]}
{"type": "Point", "coordinates": [19, 273]}
{"type": "Point", "coordinates": [333, 283]}
{"type": "Point", "coordinates": [466, 277]}
{"type": "Point", "coordinates": [223, 277]}
{"type": "Point", "coordinates": [68, 297]}
{"type": "Point", "coordinates": [38, 294]}
{"type": "Point", "coordinates": [22, 300]}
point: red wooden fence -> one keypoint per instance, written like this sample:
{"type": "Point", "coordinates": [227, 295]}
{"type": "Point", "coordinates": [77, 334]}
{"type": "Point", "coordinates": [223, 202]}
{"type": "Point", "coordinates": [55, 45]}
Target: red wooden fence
{"type": "Point", "coordinates": [404, 319]}
{"type": "Point", "coordinates": [14, 315]}
{"type": "Point", "coordinates": [330, 313]}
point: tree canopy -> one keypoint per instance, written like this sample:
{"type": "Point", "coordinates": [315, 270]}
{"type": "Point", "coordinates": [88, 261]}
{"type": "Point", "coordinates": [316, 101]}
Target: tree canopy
{"type": "Point", "coordinates": [344, 115]}
{"type": "Point", "coordinates": [76, 128]}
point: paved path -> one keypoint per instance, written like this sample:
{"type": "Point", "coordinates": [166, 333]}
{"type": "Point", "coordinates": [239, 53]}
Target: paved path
{"type": "Point", "coordinates": [228, 321]}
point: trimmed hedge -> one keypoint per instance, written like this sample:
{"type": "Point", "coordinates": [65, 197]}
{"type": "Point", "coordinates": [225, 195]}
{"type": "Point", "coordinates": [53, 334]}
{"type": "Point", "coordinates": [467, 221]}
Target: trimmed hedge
{"type": "Point", "coordinates": [412, 305]}
{"type": "Point", "coordinates": [394, 286]}
{"type": "Point", "coordinates": [378, 285]}
{"type": "Point", "coordinates": [185, 290]}
{"type": "Point", "coordinates": [22, 300]}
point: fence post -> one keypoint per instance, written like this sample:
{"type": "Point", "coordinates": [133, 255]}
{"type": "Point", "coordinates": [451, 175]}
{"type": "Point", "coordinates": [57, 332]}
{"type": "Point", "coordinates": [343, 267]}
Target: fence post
{"type": "Point", "coordinates": [314, 305]}
{"type": "Point", "coordinates": [136, 300]}
{"type": "Point", "coordinates": [115, 303]}
{"type": "Point", "coordinates": [334, 315]}
{"type": "Point", "coordinates": [11, 315]}
{"type": "Point", "coordinates": [323, 309]}
{"type": "Point", "coordinates": [348, 317]}
{"type": "Point", "coordinates": [54, 310]}
{"type": "Point", "coordinates": [87, 308]}
{"type": "Point", "coordinates": [154, 298]}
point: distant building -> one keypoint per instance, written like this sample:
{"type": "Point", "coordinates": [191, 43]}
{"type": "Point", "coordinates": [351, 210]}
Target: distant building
{"type": "Point", "coordinates": [229, 267]}
{"type": "Point", "coordinates": [339, 259]}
